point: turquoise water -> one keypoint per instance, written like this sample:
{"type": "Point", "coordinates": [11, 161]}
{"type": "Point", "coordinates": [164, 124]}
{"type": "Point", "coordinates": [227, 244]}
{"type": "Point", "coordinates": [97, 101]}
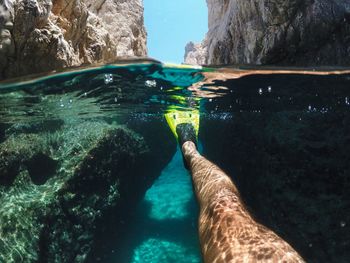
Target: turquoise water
{"type": "Point", "coordinates": [108, 91]}
{"type": "Point", "coordinates": [165, 224]}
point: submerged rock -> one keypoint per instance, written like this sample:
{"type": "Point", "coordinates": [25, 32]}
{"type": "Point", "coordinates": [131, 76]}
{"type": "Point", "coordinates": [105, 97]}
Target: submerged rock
{"type": "Point", "coordinates": [60, 190]}
{"type": "Point", "coordinates": [292, 169]}
{"type": "Point", "coordinates": [51, 35]}
{"type": "Point", "coordinates": [2, 132]}
{"type": "Point", "coordinates": [291, 32]}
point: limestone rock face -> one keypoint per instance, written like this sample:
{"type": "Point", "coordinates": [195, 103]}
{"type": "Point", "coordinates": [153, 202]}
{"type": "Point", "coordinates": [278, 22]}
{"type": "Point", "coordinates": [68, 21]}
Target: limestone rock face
{"type": "Point", "coordinates": [43, 35]}
{"type": "Point", "coordinates": [288, 32]}
{"type": "Point", "coordinates": [124, 22]}
{"type": "Point", "coordinates": [195, 54]}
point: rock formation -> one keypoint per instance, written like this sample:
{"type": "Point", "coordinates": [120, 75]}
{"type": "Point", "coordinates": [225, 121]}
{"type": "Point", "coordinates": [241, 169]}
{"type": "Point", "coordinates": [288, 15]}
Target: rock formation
{"type": "Point", "coordinates": [43, 35]}
{"type": "Point", "coordinates": [292, 32]}
{"type": "Point", "coordinates": [195, 54]}
{"type": "Point", "coordinates": [64, 193]}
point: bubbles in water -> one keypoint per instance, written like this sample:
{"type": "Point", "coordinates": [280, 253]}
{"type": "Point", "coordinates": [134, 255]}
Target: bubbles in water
{"type": "Point", "coordinates": [324, 110]}
{"type": "Point", "coordinates": [260, 91]}
{"type": "Point", "coordinates": [66, 103]}
{"type": "Point", "coordinates": [225, 116]}
{"type": "Point", "coordinates": [150, 83]}
{"type": "Point", "coordinates": [342, 224]}
{"type": "Point", "coordinates": [108, 78]}
{"type": "Point", "coordinates": [313, 109]}
{"type": "Point", "coordinates": [219, 116]}
{"type": "Point", "coordinates": [347, 101]}
{"type": "Point", "coordinates": [269, 89]}
{"type": "Point", "coordinates": [61, 103]}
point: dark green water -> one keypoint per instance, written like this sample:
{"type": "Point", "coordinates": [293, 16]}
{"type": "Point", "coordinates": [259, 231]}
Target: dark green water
{"type": "Point", "coordinates": [75, 185]}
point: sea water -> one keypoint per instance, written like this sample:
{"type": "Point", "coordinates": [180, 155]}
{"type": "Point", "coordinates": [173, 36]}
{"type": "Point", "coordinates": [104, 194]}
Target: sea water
{"type": "Point", "coordinates": [283, 135]}
{"type": "Point", "coordinates": [165, 226]}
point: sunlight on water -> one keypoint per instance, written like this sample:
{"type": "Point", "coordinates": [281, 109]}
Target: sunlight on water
{"type": "Point", "coordinates": [158, 251]}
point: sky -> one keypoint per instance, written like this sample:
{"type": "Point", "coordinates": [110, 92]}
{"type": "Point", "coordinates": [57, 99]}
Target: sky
{"type": "Point", "coordinates": [171, 24]}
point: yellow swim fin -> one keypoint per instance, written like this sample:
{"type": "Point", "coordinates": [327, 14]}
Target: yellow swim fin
{"type": "Point", "coordinates": [174, 117]}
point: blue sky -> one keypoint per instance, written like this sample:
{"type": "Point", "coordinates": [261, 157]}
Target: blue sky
{"type": "Point", "coordinates": [171, 24]}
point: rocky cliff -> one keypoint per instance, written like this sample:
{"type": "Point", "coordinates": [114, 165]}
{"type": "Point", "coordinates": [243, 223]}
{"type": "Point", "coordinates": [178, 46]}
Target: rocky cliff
{"type": "Point", "coordinates": [289, 32]}
{"type": "Point", "coordinates": [42, 35]}
{"type": "Point", "coordinates": [195, 54]}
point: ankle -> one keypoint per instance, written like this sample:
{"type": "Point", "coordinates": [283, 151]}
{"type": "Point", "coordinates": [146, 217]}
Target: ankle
{"type": "Point", "coordinates": [189, 150]}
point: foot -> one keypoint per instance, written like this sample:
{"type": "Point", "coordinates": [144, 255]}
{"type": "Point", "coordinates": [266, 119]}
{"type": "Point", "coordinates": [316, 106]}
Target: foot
{"type": "Point", "coordinates": [186, 132]}
{"type": "Point", "coordinates": [186, 136]}
{"type": "Point", "coordinates": [189, 150]}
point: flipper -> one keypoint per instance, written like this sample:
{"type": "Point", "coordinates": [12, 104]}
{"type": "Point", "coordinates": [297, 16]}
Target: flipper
{"type": "Point", "coordinates": [176, 117]}
{"type": "Point", "coordinates": [184, 125]}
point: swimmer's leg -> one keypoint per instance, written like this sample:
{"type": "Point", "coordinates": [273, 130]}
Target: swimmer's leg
{"type": "Point", "coordinates": [227, 232]}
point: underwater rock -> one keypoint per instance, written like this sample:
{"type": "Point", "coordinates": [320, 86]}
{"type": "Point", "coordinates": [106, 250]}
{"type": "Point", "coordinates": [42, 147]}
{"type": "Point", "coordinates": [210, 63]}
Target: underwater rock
{"type": "Point", "coordinates": [60, 191]}
{"type": "Point", "coordinates": [292, 169]}
{"type": "Point", "coordinates": [291, 32]}
{"type": "Point", "coordinates": [2, 132]}
{"type": "Point", "coordinates": [162, 146]}
{"type": "Point", "coordinates": [35, 127]}
{"type": "Point", "coordinates": [157, 135]}
{"type": "Point", "coordinates": [17, 152]}
{"type": "Point", "coordinates": [51, 35]}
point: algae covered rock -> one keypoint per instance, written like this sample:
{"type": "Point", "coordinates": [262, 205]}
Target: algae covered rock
{"type": "Point", "coordinates": [2, 132]}
{"type": "Point", "coordinates": [58, 188]}
{"type": "Point", "coordinates": [17, 152]}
